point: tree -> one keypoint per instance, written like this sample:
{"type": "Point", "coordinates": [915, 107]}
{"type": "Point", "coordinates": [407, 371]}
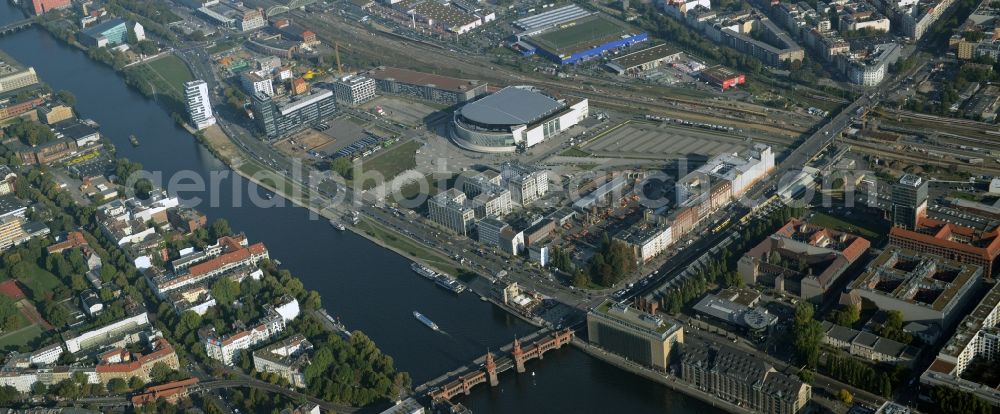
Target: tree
{"type": "Point", "coordinates": [8, 314]}
{"type": "Point", "coordinates": [580, 279]}
{"type": "Point", "coordinates": [847, 316]}
{"type": "Point", "coordinates": [220, 228]}
{"type": "Point", "coordinates": [893, 328]}
{"type": "Point", "coordinates": [845, 396]}
{"type": "Point", "coordinates": [148, 47]}
{"type": "Point", "coordinates": [313, 300]}
{"type": "Point", "coordinates": [225, 290]}
{"type": "Point", "coordinates": [807, 375]}
{"type": "Point", "coordinates": [117, 386]}
{"type": "Point", "coordinates": [39, 388]}
{"type": "Point", "coordinates": [66, 97]}
{"type": "Point", "coordinates": [807, 334]}
{"type": "Point", "coordinates": [135, 383]}
{"type": "Point", "coordinates": [949, 400]}
{"type": "Point", "coordinates": [8, 395]}
{"type": "Point", "coordinates": [160, 372]}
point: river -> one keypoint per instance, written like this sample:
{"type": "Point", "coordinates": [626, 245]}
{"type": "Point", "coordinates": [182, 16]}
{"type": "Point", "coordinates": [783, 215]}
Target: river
{"type": "Point", "coordinates": [369, 288]}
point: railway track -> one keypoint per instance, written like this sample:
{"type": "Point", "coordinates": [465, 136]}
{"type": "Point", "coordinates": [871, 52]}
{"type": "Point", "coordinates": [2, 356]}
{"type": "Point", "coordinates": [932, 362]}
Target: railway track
{"type": "Point", "coordinates": [436, 56]}
{"type": "Point", "coordinates": [912, 158]}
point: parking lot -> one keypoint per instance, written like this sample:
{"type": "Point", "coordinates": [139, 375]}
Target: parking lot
{"type": "Point", "coordinates": [641, 139]}
{"type": "Point", "coordinates": [403, 111]}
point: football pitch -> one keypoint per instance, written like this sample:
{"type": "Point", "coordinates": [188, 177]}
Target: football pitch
{"type": "Point", "coordinates": [582, 32]}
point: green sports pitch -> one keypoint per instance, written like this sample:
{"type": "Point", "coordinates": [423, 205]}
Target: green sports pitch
{"type": "Point", "coordinates": [583, 32]}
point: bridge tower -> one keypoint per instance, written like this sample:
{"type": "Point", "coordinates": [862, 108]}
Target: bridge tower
{"type": "Point", "coordinates": [518, 355]}
{"type": "Point", "coordinates": [491, 369]}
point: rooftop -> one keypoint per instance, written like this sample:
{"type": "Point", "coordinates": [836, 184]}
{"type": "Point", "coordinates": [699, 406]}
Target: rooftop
{"type": "Point", "coordinates": [423, 79]}
{"type": "Point", "coordinates": [648, 54]}
{"type": "Point", "coordinates": [634, 318]}
{"type": "Point", "coordinates": [100, 28]}
{"type": "Point", "coordinates": [917, 278]}
{"type": "Point", "coordinates": [511, 106]}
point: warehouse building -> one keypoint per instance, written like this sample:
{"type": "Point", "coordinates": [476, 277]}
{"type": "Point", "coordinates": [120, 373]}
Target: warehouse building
{"type": "Point", "coordinates": [631, 333]}
{"type": "Point", "coordinates": [636, 64]}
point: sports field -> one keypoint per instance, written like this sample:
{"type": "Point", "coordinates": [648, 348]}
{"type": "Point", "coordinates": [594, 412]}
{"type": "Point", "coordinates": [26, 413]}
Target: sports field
{"type": "Point", "coordinates": [581, 32]}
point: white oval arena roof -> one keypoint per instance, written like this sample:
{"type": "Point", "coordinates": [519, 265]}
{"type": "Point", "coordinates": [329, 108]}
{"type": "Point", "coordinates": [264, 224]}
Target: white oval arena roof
{"type": "Point", "coordinates": [511, 106]}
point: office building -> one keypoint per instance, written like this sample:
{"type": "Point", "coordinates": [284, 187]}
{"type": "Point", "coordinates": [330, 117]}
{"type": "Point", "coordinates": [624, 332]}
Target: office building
{"type": "Point", "coordinates": [14, 76]}
{"type": "Point", "coordinates": [198, 105]}
{"type": "Point", "coordinates": [279, 117]}
{"type": "Point", "coordinates": [647, 240]}
{"type": "Point", "coordinates": [287, 358]}
{"type": "Point", "coordinates": [107, 34]}
{"type": "Point", "coordinates": [354, 89]}
{"type": "Point", "coordinates": [427, 86]}
{"type": "Point", "coordinates": [743, 379]}
{"type": "Point", "coordinates": [633, 334]}
{"type": "Point", "coordinates": [255, 82]}
{"type": "Point", "coordinates": [737, 311]}
{"type": "Point", "coordinates": [452, 210]}
{"type": "Point", "coordinates": [975, 341]}
{"type": "Point", "coordinates": [490, 229]}
{"type": "Point", "coordinates": [909, 201]}
{"type": "Point", "coordinates": [526, 184]}
{"type": "Point", "coordinates": [924, 288]}
{"type": "Point", "coordinates": [119, 333]}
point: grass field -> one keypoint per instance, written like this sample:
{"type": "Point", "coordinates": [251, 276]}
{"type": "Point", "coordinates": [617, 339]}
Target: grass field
{"type": "Point", "coordinates": [582, 32]}
{"type": "Point", "coordinates": [39, 281]}
{"type": "Point", "coordinates": [22, 336]}
{"type": "Point", "coordinates": [870, 228]}
{"type": "Point", "coordinates": [221, 47]}
{"type": "Point", "coordinates": [172, 70]}
{"type": "Point", "coordinates": [574, 152]}
{"type": "Point", "coordinates": [398, 158]}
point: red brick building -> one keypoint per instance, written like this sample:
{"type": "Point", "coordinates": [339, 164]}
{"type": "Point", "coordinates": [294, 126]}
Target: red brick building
{"type": "Point", "coordinates": [45, 6]}
{"type": "Point", "coordinates": [951, 241]}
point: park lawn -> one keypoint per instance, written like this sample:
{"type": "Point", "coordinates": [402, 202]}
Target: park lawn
{"type": "Point", "coordinates": [221, 47]}
{"type": "Point", "coordinates": [408, 246]}
{"type": "Point", "coordinates": [39, 281]}
{"type": "Point", "coordinates": [22, 336]}
{"type": "Point", "coordinates": [574, 152]}
{"type": "Point", "coordinates": [870, 228]}
{"type": "Point", "coordinates": [173, 70]}
{"type": "Point", "coordinates": [398, 158]}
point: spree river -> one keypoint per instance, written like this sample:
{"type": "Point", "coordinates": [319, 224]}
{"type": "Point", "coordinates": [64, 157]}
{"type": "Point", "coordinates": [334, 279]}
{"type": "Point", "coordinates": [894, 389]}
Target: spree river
{"type": "Point", "coordinates": [369, 288]}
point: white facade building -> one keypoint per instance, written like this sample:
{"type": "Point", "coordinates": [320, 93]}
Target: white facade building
{"type": "Point", "coordinates": [198, 105]}
{"type": "Point", "coordinates": [257, 82]}
{"type": "Point", "coordinates": [354, 89]}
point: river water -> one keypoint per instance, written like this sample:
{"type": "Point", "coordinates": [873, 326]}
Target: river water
{"type": "Point", "coordinates": [369, 288]}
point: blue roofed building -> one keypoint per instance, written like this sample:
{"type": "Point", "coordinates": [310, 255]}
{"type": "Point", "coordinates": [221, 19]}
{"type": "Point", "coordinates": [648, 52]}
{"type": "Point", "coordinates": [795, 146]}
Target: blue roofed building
{"type": "Point", "coordinates": [110, 33]}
